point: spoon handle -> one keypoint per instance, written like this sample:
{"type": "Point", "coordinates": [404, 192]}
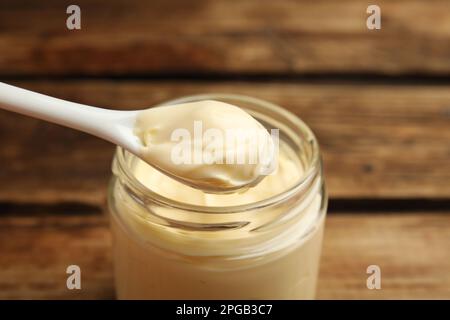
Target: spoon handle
{"type": "Point", "coordinates": [112, 125]}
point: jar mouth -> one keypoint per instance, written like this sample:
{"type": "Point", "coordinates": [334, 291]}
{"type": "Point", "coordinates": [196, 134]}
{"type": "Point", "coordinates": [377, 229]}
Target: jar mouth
{"type": "Point", "coordinates": [299, 133]}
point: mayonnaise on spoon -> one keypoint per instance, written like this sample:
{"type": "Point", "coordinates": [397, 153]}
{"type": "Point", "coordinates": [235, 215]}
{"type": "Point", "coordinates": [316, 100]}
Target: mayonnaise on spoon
{"type": "Point", "coordinates": [161, 136]}
{"type": "Point", "coordinates": [210, 145]}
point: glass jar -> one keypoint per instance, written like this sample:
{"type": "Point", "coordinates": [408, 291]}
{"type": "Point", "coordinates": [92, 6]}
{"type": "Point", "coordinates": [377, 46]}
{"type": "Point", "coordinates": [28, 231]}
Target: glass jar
{"type": "Point", "coordinates": [173, 242]}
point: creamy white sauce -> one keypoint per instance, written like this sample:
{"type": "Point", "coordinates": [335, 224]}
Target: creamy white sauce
{"type": "Point", "coordinates": [213, 160]}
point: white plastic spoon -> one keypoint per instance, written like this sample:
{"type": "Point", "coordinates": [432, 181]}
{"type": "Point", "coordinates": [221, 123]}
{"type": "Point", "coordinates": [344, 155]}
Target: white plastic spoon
{"type": "Point", "coordinates": [119, 127]}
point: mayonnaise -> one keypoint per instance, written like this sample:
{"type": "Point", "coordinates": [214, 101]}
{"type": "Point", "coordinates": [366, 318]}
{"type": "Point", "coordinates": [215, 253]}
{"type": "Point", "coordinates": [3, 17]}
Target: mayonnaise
{"type": "Point", "coordinates": [173, 241]}
{"type": "Point", "coordinates": [208, 144]}
{"type": "Point", "coordinates": [258, 259]}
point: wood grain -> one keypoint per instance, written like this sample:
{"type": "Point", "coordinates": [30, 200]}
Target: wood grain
{"type": "Point", "coordinates": [378, 141]}
{"type": "Point", "coordinates": [412, 250]}
{"type": "Point", "coordinates": [36, 251]}
{"type": "Point", "coordinates": [220, 36]}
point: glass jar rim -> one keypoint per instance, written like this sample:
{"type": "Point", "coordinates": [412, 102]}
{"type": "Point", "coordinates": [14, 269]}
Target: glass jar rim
{"type": "Point", "coordinates": [142, 192]}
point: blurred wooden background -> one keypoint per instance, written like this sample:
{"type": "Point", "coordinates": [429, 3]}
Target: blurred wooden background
{"type": "Point", "coordinates": [379, 102]}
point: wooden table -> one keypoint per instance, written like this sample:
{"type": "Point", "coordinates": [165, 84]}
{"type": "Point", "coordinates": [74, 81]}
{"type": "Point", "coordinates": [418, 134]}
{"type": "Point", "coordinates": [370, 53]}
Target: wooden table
{"type": "Point", "coordinates": [379, 102]}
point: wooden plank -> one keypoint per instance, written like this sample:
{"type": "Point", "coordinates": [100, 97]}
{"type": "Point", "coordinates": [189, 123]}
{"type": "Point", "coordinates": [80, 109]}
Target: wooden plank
{"type": "Point", "coordinates": [297, 37]}
{"type": "Point", "coordinates": [377, 141]}
{"type": "Point", "coordinates": [36, 251]}
{"type": "Point", "coordinates": [412, 250]}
